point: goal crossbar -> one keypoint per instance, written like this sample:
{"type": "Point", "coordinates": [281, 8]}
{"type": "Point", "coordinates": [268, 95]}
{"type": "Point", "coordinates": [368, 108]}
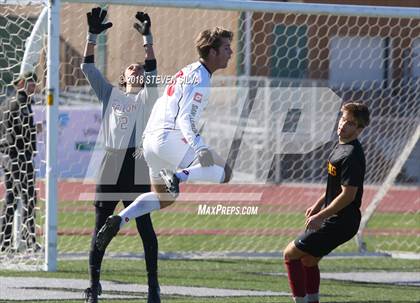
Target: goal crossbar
{"type": "Point", "coordinates": [277, 7]}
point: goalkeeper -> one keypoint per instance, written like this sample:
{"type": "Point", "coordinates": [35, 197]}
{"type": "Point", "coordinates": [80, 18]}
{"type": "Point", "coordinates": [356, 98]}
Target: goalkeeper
{"type": "Point", "coordinates": [125, 111]}
{"type": "Point", "coordinates": [335, 217]}
{"type": "Point", "coordinates": [173, 147]}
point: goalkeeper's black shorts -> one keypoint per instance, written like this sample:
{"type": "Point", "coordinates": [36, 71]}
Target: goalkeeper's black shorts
{"type": "Point", "coordinates": [121, 177]}
{"type": "Point", "coordinates": [335, 231]}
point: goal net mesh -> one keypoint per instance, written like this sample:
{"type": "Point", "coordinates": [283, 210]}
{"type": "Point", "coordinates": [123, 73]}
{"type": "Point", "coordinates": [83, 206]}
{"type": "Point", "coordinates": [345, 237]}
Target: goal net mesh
{"type": "Point", "coordinates": [272, 114]}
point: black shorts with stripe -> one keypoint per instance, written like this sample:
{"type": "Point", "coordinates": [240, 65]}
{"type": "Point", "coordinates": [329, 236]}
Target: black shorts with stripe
{"type": "Point", "coordinates": [335, 231]}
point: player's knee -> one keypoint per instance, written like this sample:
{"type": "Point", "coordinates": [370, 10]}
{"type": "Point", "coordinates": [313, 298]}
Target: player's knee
{"type": "Point", "coordinates": [309, 261]}
{"type": "Point", "coordinates": [288, 252]}
{"type": "Point", "coordinates": [165, 199]}
{"type": "Point", "coordinates": [228, 174]}
{"type": "Point", "coordinates": [166, 203]}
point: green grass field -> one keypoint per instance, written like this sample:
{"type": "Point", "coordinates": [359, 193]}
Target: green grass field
{"type": "Point", "coordinates": [265, 232]}
{"type": "Point", "coordinates": [246, 274]}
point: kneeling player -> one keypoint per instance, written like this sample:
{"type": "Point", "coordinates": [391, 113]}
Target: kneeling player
{"type": "Point", "coordinates": [335, 217]}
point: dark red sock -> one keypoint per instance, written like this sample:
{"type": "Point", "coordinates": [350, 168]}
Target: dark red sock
{"type": "Point", "coordinates": [296, 277]}
{"type": "Point", "coordinates": [312, 281]}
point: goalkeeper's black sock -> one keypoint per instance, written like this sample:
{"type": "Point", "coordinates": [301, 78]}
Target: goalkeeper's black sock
{"type": "Point", "coordinates": [152, 280]}
{"type": "Point", "coordinates": [95, 274]}
{"type": "Point", "coordinates": [150, 245]}
{"type": "Point", "coordinates": [95, 255]}
{"type": "Point", "coordinates": [95, 261]}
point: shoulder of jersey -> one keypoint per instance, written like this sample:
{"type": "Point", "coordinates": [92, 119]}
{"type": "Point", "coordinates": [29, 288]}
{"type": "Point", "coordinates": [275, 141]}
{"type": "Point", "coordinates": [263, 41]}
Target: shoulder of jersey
{"type": "Point", "coordinates": [197, 73]}
{"type": "Point", "coordinates": [348, 149]}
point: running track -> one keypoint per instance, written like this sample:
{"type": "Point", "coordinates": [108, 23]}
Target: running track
{"type": "Point", "coordinates": [268, 197]}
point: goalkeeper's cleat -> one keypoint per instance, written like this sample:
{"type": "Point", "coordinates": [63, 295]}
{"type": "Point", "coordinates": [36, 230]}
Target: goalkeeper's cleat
{"type": "Point", "coordinates": [107, 232]}
{"type": "Point", "coordinates": [171, 182]}
{"type": "Point", "coordinates": [91, 295]}
{"type": "Point", "coordinates": [153, 295]}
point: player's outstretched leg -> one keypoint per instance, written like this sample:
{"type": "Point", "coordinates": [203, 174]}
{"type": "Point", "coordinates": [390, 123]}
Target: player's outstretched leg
{"type": "Point", "coordinates": [171, 182]}
{"type": "Point", "coordinates": [107, 232]}
{"type": "Point", "coordinates": [91, 296]}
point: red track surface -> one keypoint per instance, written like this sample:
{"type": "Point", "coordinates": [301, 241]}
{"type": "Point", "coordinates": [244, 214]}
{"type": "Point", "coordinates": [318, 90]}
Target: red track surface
{"type": "Point", "coordinates": [267, 197]}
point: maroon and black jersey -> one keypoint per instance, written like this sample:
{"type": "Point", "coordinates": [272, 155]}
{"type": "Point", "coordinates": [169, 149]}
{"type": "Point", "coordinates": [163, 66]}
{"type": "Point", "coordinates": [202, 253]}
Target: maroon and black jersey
{"type": "Point", "coordinates": [346, 166]}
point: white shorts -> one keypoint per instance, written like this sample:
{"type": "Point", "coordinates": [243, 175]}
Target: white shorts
{"type": "Point", "coordinates": [166, 149]}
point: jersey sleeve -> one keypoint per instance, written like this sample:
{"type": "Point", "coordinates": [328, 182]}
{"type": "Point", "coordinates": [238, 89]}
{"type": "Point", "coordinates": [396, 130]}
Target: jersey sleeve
{"type": "Point", "coordinates": [100, 86]}
{"type": "Point", "coordinates": [352, 171]}
{"type": "Point", "coordinates": [148, 97]}
{"type": "Point", "coordinates": [190, 107]}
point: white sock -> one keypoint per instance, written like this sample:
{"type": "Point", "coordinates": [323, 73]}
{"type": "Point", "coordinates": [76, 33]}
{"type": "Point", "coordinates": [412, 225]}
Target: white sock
{"type": "Point", "coordinates": [213, 173]}
{"type": "Point", "coordinates": [312, 298]}
{"type": "Point", "coordinates": [299, 300]}
{"type": "Point", "coordinates": [144, 204]}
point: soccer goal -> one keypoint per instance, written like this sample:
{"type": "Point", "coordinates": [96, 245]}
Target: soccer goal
{"type": "Point", "coordinates": [272, 114]}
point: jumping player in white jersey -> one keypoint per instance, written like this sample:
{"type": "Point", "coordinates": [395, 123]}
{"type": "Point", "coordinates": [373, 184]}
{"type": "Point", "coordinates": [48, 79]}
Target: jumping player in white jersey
{"type": "Point", "coordinates": [173, 148]}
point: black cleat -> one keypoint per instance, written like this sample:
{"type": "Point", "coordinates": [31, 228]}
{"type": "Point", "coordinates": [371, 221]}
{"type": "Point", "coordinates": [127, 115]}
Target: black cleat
{"type": "Point", "coordinates": [171, 182]}
{"type": "Point", "coordinates": [91, 295]}
{"type": "Point", "coordinates": [107, 232]}
{"type": "Point", "coordinates": [153, 296]}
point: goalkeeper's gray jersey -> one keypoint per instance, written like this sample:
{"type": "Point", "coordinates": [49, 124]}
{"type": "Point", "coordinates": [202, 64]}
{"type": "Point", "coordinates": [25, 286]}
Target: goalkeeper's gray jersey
{"type": "Point", "coordinates": [124, 116]}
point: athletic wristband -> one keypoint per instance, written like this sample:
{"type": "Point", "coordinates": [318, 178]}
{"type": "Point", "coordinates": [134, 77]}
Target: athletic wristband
{"type": "Point", "coordinates": [89, 59]}
{"type": "Point", "coordinates": [149, 65]}
{"type": "Point", "coordinates": [91, 38]}
{"type": "Point", "coordinates": [148, 40]}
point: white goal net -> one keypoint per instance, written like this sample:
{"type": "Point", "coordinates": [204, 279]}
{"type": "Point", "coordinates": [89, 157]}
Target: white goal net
{"type": "Point", "coordinates": [272, 114]}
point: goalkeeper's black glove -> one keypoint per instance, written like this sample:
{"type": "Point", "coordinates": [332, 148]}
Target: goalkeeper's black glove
{"type": "Point", "coordinates": [205, 158]}
{"type": "Point", "coordinates": [143, 27]}
{"type": "Point", "coordinates": [95, 19]}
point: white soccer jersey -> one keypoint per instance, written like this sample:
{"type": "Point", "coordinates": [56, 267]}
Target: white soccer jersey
{"type": "Point", "coordinates": [180, 107]}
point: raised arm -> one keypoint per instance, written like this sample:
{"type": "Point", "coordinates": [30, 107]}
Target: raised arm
{"type": "Point", "coordinates": [101, 87]}
{"type": "Point", "coordinates": [143, 26]}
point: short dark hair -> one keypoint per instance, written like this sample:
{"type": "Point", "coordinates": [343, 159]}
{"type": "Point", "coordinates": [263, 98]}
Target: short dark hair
{"type": "Point", "coordinates": [211, 38]}
{"type": "Point", "coordinates": [359, 111]}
